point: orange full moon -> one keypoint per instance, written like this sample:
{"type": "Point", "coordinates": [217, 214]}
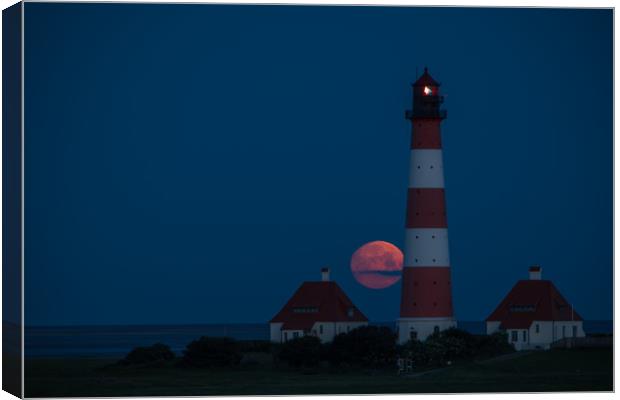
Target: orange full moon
{"type": "Point", "coordinates": [377, 265]}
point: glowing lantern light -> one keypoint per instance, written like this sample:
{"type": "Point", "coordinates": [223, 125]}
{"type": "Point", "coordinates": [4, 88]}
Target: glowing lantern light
{"type": "Point", "coordinates": [427, 90]}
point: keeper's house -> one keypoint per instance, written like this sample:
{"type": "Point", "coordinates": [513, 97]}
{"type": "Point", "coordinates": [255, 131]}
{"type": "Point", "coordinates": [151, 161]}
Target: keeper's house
{"type": "Point", "coordinates": [534, 314]}
{"type": "Point", "coordinates": [320, 309]}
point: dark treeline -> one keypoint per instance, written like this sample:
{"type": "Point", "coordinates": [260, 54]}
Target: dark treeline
{"type": "Point", "coordinates": [369, 347]}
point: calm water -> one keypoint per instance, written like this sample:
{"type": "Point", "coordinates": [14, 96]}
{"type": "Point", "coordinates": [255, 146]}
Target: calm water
{"type": "Point", "coordinates": [113, 341]}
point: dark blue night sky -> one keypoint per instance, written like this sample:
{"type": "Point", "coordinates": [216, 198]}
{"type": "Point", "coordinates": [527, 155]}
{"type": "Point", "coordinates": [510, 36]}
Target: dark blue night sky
{"type": "Point", "coordinates": [195, 163]}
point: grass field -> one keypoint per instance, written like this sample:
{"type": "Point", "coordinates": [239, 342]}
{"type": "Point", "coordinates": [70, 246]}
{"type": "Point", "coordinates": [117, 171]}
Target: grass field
{"type": "Point", "coordinates": [555, 370]}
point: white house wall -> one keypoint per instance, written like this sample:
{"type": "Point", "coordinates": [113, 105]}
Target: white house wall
{"type": "Point", "coordinates": [289, 334]}
{"type": "Point", "coordinates": [330, 330]}
{"type": "Point", "coordinates": [544, 337]}
{"type": "Point", "coordinates": [548, 332]}
{"type": "Point", "coordinates": [567, 332]}
{"type": "Point", "coordinates": [344, 327]}
{"type": "Point", "coordinates": [492, 327]}
{"type": "Point", "coordinates": [275, 331]}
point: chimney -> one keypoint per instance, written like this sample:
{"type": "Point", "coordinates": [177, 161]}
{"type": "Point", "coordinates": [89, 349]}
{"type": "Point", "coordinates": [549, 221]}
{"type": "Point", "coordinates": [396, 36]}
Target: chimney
{"type": "Point", "coordinates": [325, 274]}
{"type": "Point", "coordinates": [535, 272]}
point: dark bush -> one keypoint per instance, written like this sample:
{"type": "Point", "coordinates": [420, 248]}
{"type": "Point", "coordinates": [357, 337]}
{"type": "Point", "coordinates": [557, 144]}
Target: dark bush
{"type": "Point", "coordinates": [427, 353]}
{"type": "Point", "coordinates": [211, 352]}
{"type": "Point", "coordinates": [255, 346]}
{"type": "Point", "coordinates": [493, 345]}
{"type": "Point", "coordinates": [367, 347]}
{"type": "Point", "coordinates": [453, 345]}
{"type": "Point", "coordinates": [300, 352]}
{"type": "Point", "coordinates": [156, 353]}
{"type": "Point", "coordinates": [599, 334]}
{"type": "Point", "coordinates": [416, 351]}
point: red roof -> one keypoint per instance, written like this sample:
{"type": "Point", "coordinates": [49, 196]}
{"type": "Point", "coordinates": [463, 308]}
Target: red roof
{"type": "Point", "coordinates": [532, 300]}
{"type": "Point", "coordinates": [426, 80]}
{"type": "Point", "coordinates": [318, 302]}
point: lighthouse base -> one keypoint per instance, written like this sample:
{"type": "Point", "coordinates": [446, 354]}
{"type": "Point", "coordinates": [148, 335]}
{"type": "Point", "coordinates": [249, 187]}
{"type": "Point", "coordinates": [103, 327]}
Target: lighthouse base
{"type": "Point", "coordinates": [421, 328]}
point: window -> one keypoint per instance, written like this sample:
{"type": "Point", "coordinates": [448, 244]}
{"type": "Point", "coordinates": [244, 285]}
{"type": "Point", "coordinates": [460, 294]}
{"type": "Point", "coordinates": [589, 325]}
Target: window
{"type": "Point", "coordinates": [522, 308]}
{"type": "Point", "coordinates": [514, 336]}
{"type": "Point", "coordinates": [285, 336]}
{"type": "Point", "coordinates": [295, 335]}
{"type": "Point", "coordinates": [413, 335]}
{"type": "Point", "coordinates": [574, 331]}
{"type": "Point", "coordinates": [348, 328]}
{"type": "Point", "coordinates": [350, 312]}
{"type": "Point", "coordinates": [537, 328]}
{"type": "Point", "coordinates": [321, 329]}
{"type": "Point", "coordinates": [305, 310]}
{"type": "Point", "coordinates": [436, 329]}
{"type": "Point", "coordinates": [563, 332]}
{"type": "Point", "coordinates": [524, 336]}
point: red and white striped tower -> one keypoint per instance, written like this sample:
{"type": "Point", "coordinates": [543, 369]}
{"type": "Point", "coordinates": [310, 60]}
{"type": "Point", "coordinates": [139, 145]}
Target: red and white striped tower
{"type": "Point", "coordinates": [426, 300]}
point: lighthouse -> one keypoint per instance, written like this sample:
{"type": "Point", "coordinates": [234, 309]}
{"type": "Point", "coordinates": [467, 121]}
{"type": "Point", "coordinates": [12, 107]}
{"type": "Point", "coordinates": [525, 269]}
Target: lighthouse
{"type": "Point", "coordinates": [426, 298]}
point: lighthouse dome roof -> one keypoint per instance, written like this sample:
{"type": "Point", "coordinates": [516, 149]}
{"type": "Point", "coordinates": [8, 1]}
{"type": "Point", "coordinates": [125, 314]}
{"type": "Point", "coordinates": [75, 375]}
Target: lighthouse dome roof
{"type": "Point", "coordinates": [426, 80]}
